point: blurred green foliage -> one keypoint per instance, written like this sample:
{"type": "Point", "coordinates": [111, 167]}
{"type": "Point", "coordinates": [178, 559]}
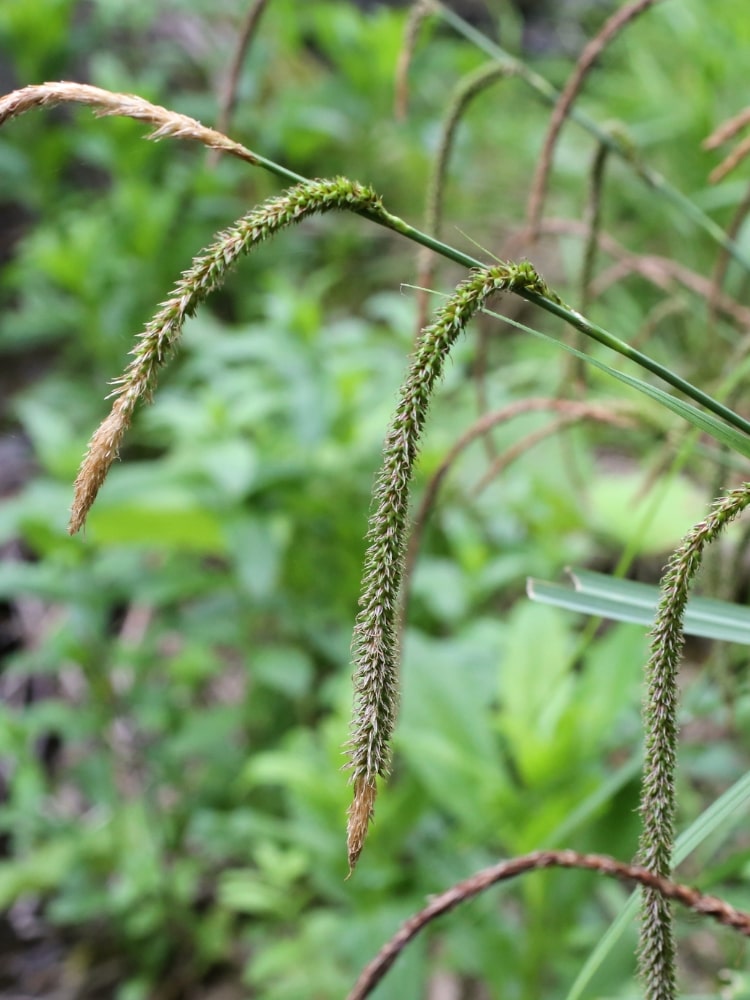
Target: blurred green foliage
{"type": "Point", "coordinates": [192, 650]}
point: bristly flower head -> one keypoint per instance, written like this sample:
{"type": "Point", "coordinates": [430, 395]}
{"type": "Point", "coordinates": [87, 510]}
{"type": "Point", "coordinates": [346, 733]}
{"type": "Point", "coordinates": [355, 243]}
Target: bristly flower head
{"type": "Point", "coordinates": [375, 641]}
{"type": "Point", "coordinates": [206, 274]}
{"type": "Point", "coordinates": [657, 947]}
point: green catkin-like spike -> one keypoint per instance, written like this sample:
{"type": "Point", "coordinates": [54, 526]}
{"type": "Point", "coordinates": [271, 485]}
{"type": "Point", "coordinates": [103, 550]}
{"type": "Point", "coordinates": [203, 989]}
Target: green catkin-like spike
{"type": "Point", "coordinates": [657, 947]}
{"type": "Point", "coordinates": [375, 641]}
{"type": "Point", "coordinates": [207, 273]}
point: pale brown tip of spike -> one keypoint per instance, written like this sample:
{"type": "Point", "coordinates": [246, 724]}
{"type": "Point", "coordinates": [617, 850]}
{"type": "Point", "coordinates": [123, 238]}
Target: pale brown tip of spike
{"type": "Point", "coordinates": [360, 814]}
{"type": "Point", "coordinates": [102, 452]}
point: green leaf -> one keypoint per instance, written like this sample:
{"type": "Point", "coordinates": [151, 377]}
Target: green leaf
{"type": "Point", "coordinates": [617, 502]}
{"type": "Point", "coordinates": [627, 601]}
{"type": "Point", "coordinates": [44, 869]}
{"type": "Point", "coordinates": [183, 527]}
{"type": "Point", "coordinates": [537, 688]}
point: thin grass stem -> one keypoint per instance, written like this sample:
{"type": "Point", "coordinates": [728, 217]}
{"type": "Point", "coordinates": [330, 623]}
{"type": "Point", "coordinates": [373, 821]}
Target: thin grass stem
{"type": "Point", "coordinates": [544, 89]}
{"type": "Point", "coordinates": [564, 103]}
{"type": "Point", "coordinates": [470, 87]}
{"type": "Point", "coordinates": [418, 12]}
{"type": "Point", "coordinates": [228, 98]}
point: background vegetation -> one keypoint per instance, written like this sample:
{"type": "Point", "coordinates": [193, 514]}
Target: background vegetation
{"type": "Point", "coordinates": [176, 684]}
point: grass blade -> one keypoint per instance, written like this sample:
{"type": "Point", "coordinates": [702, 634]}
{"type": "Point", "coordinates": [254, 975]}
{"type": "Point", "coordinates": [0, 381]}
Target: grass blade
{"type": "Point", "coordinates": [718, 429]}
{"type": "Point", "coordinates": [627, 601]}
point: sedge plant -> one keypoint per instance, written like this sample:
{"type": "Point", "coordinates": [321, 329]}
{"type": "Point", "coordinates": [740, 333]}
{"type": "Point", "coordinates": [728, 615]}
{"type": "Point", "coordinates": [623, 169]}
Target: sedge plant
{"type": "Point", "coordinates": [388, 560]}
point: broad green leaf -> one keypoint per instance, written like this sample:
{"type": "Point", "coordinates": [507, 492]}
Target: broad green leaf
{"type": "Point", "coordinates": [536, 690]}
{"type": "Point", "coordinates": [183, 527]}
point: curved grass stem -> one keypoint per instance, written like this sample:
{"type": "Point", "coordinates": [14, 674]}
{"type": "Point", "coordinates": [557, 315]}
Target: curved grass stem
{"type": "Point", "coordinates": [170, 124]}
{"type": "Point", "coordinates": [544, 89]}
{"type": "Point", "coordinates": [709, 906]}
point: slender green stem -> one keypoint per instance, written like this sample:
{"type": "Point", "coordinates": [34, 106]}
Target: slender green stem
{"type": "Point", "coordinates": [169, 123]}
{"type": "Point", "coordinates": [621, 347]}
{"type": "Point", "coordinates": [616, 145]}
{"type": "Point", "coordinates": [278, 170]}
{"type": "Point", "coordinates": [575, 319]}
{"type": "Point", "coordinates": [558, 308]}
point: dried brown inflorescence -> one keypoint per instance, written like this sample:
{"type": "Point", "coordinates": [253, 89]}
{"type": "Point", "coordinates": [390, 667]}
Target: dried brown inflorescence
{"type": "Point", "coordinates": [104, 102]}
